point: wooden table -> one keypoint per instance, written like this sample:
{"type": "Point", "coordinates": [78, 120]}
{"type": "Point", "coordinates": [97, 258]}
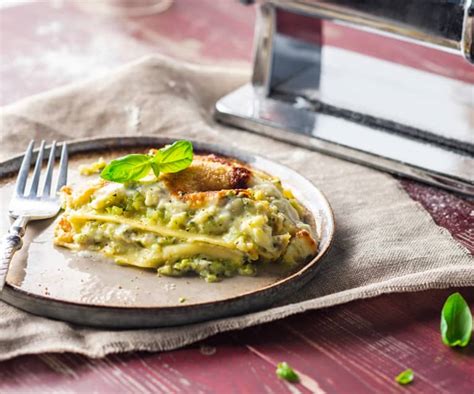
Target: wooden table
{"type": "Point", "coordinates": [358, 347]}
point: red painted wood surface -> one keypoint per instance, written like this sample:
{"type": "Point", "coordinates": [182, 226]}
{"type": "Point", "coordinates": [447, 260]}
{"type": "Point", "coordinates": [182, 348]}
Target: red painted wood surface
{"type": "Point", "coordinates": [353, 348]}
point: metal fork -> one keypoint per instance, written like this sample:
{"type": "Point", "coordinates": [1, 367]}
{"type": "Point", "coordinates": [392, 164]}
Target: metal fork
{"type": "Point", "coordinates": [31, 205]}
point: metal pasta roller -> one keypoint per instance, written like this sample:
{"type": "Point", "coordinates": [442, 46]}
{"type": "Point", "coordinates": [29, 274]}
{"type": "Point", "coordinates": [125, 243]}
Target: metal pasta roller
{"type": "Point", "coordinates": [385, 83]}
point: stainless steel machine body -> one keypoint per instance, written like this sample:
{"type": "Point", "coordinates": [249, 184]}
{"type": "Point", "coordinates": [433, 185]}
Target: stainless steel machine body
{"type": "Point", "coordinates": [354, 101]}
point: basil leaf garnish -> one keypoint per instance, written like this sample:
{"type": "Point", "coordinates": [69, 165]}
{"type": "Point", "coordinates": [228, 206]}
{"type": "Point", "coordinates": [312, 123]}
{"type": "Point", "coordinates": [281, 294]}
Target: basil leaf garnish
{"type": "Point", "coordinates": [156, 168]}
{"type": "Point", "coordinates": [127, 168]}
{"type": "Point", "coordinates": [172, 158]}
{"type": "Point", "coordinates": [456, 321]}
{"type": "Point", "coordinates": [405, 377]}
{"type": "Point", "coordinates": [175, 157]}
{"type": "Point", "coordinates": [284, 371]}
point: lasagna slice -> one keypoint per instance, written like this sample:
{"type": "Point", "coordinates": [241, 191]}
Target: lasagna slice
{"type": "Point", "coordinates": [217, 218]}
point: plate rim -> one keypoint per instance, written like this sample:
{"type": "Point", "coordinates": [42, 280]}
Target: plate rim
{"type": "Point", "coordinates": [116, 142]}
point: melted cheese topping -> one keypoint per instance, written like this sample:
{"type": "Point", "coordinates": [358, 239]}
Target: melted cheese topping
{"type": "Point", "coordinates": [178, 225]}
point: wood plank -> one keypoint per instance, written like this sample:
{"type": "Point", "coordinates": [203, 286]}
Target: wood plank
{"type": "Point", "coordinates": [361, 346]}
{"type": "Point", "coordinates": [218, 365]}
{"type": "Point", "coordinates": [58, 43]}
{"type": "Point", "coordinates": [356, 348]}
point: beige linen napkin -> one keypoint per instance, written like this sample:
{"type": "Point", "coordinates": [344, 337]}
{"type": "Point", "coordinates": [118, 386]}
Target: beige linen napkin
{"type": "Point", "coordinates": [385, 242]}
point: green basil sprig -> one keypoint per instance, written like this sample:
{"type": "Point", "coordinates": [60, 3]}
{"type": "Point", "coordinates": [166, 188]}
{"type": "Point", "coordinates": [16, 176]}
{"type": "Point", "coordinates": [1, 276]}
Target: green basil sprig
{"type": "Point", "coordinates": [456, 321]}
{"type": "Point", "coordinates": [405, 377]}
{"type": "Point", "coordinates": [284, 371]}
{"type": "Point", "coordinates": [172, 158]}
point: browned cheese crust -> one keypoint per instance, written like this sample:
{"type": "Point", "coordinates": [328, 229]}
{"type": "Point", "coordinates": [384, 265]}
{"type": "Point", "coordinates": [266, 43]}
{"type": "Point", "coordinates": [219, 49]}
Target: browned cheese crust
{"type": "Point", "coordinates": [208, 177]}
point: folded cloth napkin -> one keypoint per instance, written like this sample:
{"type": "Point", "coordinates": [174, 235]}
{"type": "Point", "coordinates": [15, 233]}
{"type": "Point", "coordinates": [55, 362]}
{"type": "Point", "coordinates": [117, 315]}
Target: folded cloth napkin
{"type": "Point", "coordinates": [385, 242]}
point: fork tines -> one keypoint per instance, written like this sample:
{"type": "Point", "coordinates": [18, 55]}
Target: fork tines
{"type": "Point", "coordinates": [48, 180]}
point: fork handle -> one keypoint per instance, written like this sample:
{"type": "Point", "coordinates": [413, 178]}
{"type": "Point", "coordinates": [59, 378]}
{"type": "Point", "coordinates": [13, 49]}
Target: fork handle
{"type": "Point", "coordinates": [10, 244]}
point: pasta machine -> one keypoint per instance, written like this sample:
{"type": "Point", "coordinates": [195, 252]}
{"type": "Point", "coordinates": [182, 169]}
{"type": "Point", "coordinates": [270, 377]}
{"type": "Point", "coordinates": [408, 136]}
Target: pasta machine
{"type": "Point", "coordinates": [384, 83]}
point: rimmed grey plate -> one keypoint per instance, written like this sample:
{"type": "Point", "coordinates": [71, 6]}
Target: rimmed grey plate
{"type": "Point", "coordinates": [86, 289]}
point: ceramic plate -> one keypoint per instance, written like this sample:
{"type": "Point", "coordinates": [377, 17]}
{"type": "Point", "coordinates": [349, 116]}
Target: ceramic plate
{"type": "Point", "coordinates": [57, 283]}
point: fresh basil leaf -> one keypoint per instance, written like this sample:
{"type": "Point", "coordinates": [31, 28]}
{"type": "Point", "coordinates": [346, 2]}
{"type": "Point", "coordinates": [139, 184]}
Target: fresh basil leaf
{"type": "Point", "coordinates": [456, 321]}
{"type": "Point", "coordinates": [284, 371]}
{"type": "Point", "coordinates": [175, 157]}
{"type": "Point", "coordinates": [156, 168]}
{"type": "Point", "coordinates": [127, 168]}
{"type": "Point", "coordinates": [405, 377]}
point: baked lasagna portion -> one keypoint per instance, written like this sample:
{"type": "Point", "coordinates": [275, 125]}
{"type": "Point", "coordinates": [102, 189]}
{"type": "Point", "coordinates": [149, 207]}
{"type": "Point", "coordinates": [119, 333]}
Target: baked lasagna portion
{"type": "Point", "coordinates": [217, 218]}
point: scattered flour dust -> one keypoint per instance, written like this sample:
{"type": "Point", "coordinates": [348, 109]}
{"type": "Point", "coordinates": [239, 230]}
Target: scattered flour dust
{"type": "Point", "coordinates": [169, 286]}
